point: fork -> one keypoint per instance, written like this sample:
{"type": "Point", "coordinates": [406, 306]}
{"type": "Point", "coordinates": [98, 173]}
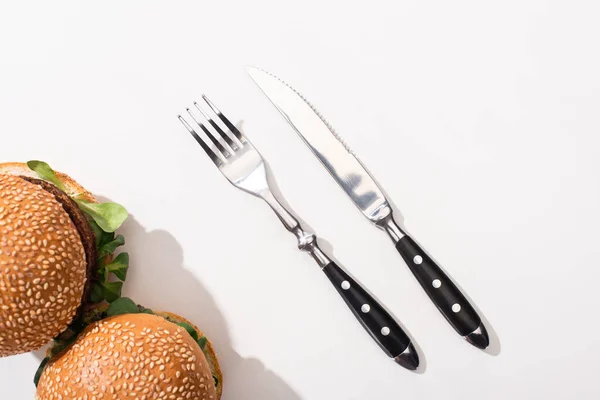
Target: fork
{"type": "Point", "coordinates": [245, 168]}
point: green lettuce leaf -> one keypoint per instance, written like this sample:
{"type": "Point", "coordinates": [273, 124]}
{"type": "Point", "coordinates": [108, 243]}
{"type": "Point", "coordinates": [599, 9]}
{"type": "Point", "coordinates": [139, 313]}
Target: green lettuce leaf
{"type": "Point", "coordinates": [102, 237]}
{"type": "Point", "coordinates": [108, 216]}
{"type": "Point", "coordinates": [202, 342]}
{"type": "Point", "coordinates": [110, 247]}
{"type": "Point", "coordinates": [97, 295]}
{"type": "Point", "coordinates": [46, 173]}
{"type": "Point", "coordinates": [189, 328]}
{"type": "Point", "coordinates": [124, 305]}
{"type": "Point", "coordinates": [119, 266]}
{"type": "Point", "coordinates": [103, 274]}
{"type": "Point", "coordinates": [98, 232]}
{"type": "Point", "coordinates": [111, 291]}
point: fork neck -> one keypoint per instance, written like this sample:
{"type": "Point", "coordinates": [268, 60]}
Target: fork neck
{"type": "Point", "coordinates": [307, 241]}
{"type": "Point", "coordinates": [288, 220]}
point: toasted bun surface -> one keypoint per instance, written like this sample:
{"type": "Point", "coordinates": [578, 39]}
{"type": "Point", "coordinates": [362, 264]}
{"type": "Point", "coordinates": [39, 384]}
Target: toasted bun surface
{"type": "Point", "coordinates": [42, 266]}
{"type": "Point", "coordinates": [21, 169]}
{"type": "Point", "coordinates": [126, 357]}
{"type": "Point", "coordinates": [209, 350]}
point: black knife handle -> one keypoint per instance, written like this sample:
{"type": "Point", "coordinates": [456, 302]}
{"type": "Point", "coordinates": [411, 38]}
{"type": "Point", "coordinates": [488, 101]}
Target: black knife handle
{"type": "Point", "coordinates": [373, 317]}
{"type": "Point", "coordinates": [442, 291]}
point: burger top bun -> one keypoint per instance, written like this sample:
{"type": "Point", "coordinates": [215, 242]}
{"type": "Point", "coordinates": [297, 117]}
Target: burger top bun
{"type": "Point", "coordinates": [72, 188]}
{"type": "Point", "coordinates": [129, 356]}
{"type": "Point", "coordinates": [209, 351]}
{"type": "Point", "coordinates": [42, 267]}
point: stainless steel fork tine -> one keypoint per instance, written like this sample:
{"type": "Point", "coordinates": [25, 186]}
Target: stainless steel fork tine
{"type": "Point", "coordinates": [227, 123]}
{"type": "Point", "coordinates": [217, 128]}
{"type": "Point", "coordinates": [206, 148]}
{"type": "Point", "coordinates": [209, 134]}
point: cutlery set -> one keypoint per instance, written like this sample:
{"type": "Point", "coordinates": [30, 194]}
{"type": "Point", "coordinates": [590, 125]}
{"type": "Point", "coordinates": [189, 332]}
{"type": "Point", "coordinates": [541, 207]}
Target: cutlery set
{"type": "Point", "coordinates": [243, 166]}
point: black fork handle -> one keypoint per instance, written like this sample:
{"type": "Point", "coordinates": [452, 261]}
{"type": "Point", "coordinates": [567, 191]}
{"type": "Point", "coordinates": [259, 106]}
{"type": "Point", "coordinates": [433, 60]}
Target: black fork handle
{"type": "Point", "coordinates": [382, 327]}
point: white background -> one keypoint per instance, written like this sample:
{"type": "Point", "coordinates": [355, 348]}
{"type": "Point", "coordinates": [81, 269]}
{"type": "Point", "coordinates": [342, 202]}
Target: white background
{"type": "Point", "coordinates": [480, 121]}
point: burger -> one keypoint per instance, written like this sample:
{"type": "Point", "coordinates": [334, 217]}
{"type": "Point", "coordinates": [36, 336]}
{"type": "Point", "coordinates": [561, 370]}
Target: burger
{"type": "Point", "coordinates": [57, 248]}
{"type": "Point", "coordinates": [61, 282]}
{"type": "Point", "coordinates": [139, 354]}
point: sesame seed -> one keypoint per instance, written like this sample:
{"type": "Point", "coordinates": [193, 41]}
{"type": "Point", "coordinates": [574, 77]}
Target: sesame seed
{"type": "Point", "coordinates": [141, 373]}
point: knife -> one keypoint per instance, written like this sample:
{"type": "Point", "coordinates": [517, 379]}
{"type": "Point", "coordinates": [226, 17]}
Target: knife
{"type": "Point", "coordinates": [362, 189]}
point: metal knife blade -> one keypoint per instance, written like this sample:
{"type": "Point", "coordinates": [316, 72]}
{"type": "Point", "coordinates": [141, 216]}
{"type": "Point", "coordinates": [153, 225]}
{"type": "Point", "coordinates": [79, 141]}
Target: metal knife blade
{"type": "Point", "coordinates": [333, 153]}
{"type": "Point", "coordinates": [353, 177]}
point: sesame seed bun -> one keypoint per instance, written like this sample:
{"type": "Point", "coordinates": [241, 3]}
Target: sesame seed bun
{"type": "Point", "coordinates": [43, 268]}
{"type": "Point", "coordinates": [209, 350]}
{"type": "Point", "coordinates": [129, 356]}
{"type": "Point", "coordinates": [37, 294]}
{"type": "Point", "coordinates": [72, 188]}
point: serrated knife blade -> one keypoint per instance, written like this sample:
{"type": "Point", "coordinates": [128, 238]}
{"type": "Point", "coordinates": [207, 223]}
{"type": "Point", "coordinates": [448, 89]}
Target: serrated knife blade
{"type": "Point", "coordinates": [362, 189]}
{"type": "Point", "coordinates": [333, 153]}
